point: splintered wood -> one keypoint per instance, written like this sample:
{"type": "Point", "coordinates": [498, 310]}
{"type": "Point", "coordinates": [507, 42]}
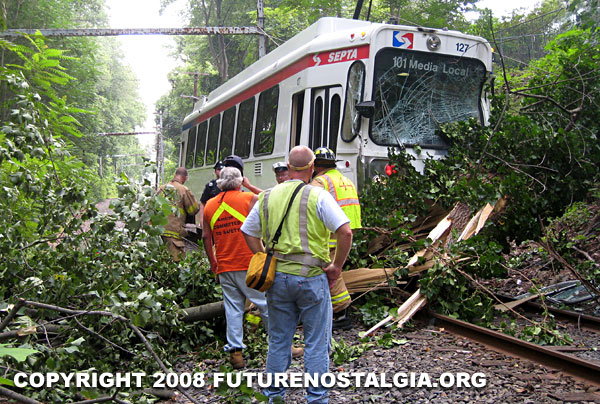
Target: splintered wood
{"type": "Point", "coordinates": [405, 312]}
{"type": "Point", "coordinates": [365, 279]}
{"type": "Point", "coordinates": [440, 235]}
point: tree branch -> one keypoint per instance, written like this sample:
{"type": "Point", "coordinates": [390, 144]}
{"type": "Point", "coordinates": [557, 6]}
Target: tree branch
{"type": "Point", "coordinates": [493, 296]}
{"type": "Point", "coordinates": [519, 170]}
{"type": "Point", "coordinates": [20, 303]}
{"type": "Point", "coordinates": [49, 328]}
{"type": "Point", "coordinates": [560, 259]}
{"type": "Point", "coordinates": [585, 254]}
{"type": "Point", "coordinates": [135, 329]}
{"type": "Point", "coordinates": [41, 241]}
{"type": "Point", "coordinates": [549, 99]}
{"type": "Point", "coordinates": [16, 396]}
{"type": "Point", "coordinates": [109, 342]}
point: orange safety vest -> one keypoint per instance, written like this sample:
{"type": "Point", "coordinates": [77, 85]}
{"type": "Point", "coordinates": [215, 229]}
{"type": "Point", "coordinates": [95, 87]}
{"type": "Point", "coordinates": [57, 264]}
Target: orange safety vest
{"type": "Point", "coordinates": [226, 213]}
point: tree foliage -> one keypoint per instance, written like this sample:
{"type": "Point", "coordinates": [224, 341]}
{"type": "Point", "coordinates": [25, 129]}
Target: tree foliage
{"type": "Point", "coordinates": [57, 249]}
{"type": "Point", "coordinates": [101, 82]}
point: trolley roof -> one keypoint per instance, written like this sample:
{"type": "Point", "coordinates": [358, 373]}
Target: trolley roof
{"type": "Point", "coordinates": [325, 34]}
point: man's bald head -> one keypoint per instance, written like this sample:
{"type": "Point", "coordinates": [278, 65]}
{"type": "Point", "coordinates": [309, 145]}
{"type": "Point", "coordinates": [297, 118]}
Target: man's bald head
{"type": "Point", "coordinates": [300, 158]}
{"type": "Point", "coordinates": [181, 174]}
{"type": "Point", "coordinates": [300, 163]}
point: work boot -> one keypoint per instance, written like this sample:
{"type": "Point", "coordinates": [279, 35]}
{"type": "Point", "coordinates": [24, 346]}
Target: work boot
{"type": "Point", "coordinates": [237, 360]}
{"type": "Point", "coordinates": [297, 352]}
{"type": "Point", "coordinates": [341, 320]}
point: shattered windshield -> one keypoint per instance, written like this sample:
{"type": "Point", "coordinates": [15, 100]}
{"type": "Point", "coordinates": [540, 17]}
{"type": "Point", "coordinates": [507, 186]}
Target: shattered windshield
{"type": "Point", "coordinates": [415, 91]}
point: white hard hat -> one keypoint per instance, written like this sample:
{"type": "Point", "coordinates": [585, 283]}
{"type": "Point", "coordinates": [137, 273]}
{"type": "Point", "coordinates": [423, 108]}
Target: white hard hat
{"type": "Point", "coordinates": [280, 165]}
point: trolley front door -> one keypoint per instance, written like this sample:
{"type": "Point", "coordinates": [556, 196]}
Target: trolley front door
{"type": "Point", "coordinates": [325, 115]}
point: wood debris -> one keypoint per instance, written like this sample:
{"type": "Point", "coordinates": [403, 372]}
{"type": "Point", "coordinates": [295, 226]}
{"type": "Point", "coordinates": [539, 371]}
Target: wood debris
{"type": "Point", "coordinates": [364, 279]}
{"type": "Point", "coordinates": [458, 219]}
{"type": "Point", "coordinates": [405, 312]}
{"type": "Point", "coordinates": [511, 305]}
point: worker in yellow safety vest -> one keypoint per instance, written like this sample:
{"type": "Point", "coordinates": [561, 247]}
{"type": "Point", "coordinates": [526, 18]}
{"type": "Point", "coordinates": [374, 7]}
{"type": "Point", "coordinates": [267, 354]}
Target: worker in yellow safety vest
{"type": "Point", "coordinates": [303, 269]}
{"type": "Point", "coordinates": [184, 201]}
{"type": "Point", "coordinates": [344, 192]}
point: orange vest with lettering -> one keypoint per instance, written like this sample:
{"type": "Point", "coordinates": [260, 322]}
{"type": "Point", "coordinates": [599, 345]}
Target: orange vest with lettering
{"type": "Point", "coordinates": [225, 214]}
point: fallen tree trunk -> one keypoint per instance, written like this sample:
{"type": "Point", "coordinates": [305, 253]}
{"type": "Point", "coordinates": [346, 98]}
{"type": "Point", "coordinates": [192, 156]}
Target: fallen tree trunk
{"type": "Point", "coordinates": [205, 312]}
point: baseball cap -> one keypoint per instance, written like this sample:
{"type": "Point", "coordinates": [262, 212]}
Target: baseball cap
{"type": "Point", "coordinates": [234, 161]}
{"type": "Point", "coordinates": [219, 165]}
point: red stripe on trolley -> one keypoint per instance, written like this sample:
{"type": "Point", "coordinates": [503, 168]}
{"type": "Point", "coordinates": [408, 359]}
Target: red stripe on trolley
{"type": "Point", "coordinates": [317, 59]}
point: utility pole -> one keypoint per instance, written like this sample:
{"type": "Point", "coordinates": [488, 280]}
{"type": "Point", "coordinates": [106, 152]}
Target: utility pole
{"type": "Point", "coordinates": [159, 152]}
{"type": "Point", "coordinates": [162, 147]}
{"type": "Point", "coordinates": [260, 24]}
{"type": "Point", "coordinates": [194, 97]}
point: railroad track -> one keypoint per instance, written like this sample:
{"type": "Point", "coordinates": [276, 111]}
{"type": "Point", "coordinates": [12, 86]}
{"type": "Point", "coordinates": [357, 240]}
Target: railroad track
{"type": "Point", "coordinates": [582, 369]}
{"type": "Point", "coordinates": [590, 323]}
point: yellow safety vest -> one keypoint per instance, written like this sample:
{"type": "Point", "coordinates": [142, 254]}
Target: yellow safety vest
{"type": "Point", "coordinates": [344, 193]}
{"type": "Point", "coordinates": [302, 246]}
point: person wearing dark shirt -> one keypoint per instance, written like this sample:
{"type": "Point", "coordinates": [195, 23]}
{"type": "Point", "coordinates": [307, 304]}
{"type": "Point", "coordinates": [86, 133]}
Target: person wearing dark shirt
{"type": "Point", "coordinates": [210, 190]}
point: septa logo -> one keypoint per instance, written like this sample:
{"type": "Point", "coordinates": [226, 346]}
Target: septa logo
{"type": "Point", "coordinates": [403, 40]}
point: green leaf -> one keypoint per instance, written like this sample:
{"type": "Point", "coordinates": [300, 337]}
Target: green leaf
{"type": "Point", "coordinates": [6, 382]}
{"type": "Point", "coordinates": [78, 341]}
{"type": "Point", "coordinates": [71, 349]}
{"type": "Point", "coordinates": [20, 354]}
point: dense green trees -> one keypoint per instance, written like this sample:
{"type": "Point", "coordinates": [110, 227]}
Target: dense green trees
{"type": "Point", "coordinates": [57, 249]}
{"type": "Point", "coordinates": [103, 85]}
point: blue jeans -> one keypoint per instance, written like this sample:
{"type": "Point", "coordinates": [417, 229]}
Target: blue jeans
{"type": "Point", "coordinates": [235, 293]}
{"type": "Point", "coordinates": [293, 298]}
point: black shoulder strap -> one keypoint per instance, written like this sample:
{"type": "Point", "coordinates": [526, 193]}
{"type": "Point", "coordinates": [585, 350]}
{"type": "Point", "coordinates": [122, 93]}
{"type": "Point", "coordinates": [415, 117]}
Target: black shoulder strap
{"type": "Point", "coordinates": [278, 232]}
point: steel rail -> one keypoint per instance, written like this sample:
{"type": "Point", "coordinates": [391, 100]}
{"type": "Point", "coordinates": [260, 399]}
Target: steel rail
{"type": "Point", "coordinates": [583, 320]}
{"type": "Point", "coordinates": [568, 364]}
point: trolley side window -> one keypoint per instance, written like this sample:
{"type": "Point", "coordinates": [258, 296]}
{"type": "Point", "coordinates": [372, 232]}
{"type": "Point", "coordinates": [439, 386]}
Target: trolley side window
{"type": "Point", "coordinates": [181, 161]}
{"type": "Point", "coordinates": [317, 128]}
{"type": "Point", "coordinates": [334, 121]}
{"type": "Point", "coordinates": [200, 144]}
{"type": "Point", "coordinates": [213, 139]}
{"type": "Point", "coordinates": [325, 117]}
{"type": "Point", "coordinates": [297, 113]}
{"type": "Point", "coordinates": [243, 133]}
{"type": "Point", "coordinates": [191, 146]}
{"type": "Point", "coordinates": [266, 119]}
{"type": "Point", "coordinates": [226, 145]}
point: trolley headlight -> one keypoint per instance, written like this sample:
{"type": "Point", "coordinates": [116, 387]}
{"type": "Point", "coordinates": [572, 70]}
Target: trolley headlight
{"type": "Point", "coordinates": [434, 42]}
{"type": "Point", "coordinates": [377, 168]}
